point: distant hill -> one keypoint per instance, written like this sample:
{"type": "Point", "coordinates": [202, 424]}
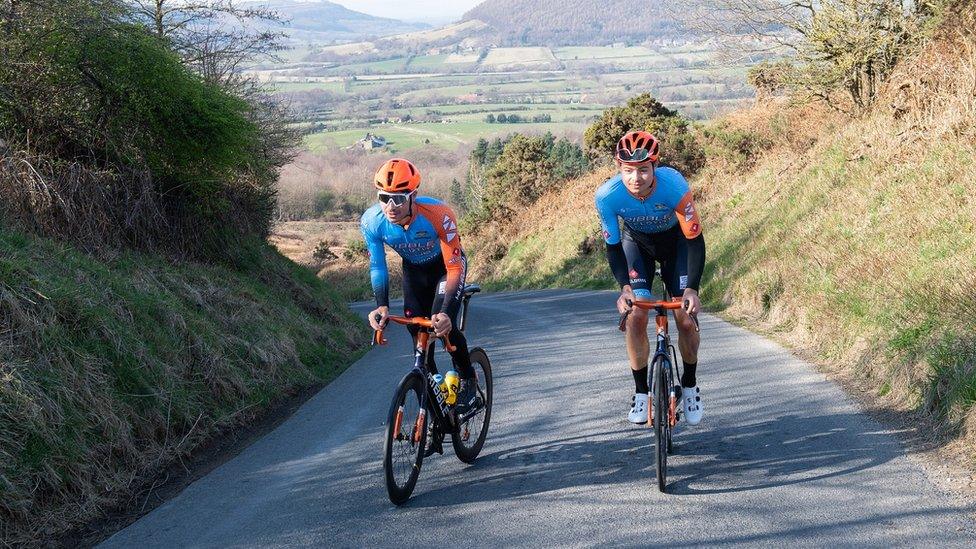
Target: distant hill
{"type": "Point", "coordinates": [576, 22]}
{"type": "Point", "coordinates": [319, 21]}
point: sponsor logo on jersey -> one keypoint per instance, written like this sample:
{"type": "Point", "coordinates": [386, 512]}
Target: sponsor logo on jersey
{"type": "Point", "coordinates": [456, 252]}
{"type": "Point", "coordinates": [695, 227]}
{"type": "Point", "coordinates": [689, 211]}
{"type": "Point", "coordinates": [422, 234]}
{"type": "Point", "coordinates": [441, 287]}
{"type": "Point", "coordinates": [633, 273]}
{"type": "Point", "coordinates": [660, 206]}
{"type": "Point", "coordinates": [448, 224]}
{"type": "Point", "coordinates": [682, 282]}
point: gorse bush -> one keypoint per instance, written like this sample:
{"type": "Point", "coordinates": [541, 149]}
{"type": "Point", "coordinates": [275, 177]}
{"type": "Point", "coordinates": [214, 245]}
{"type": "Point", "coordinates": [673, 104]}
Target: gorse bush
{"type": "Point", "coordinates": [94, 92]}
{"type": "Point", "coordinates": [679, 145]}
{"type": "Point", "coordinates": [510, 174]}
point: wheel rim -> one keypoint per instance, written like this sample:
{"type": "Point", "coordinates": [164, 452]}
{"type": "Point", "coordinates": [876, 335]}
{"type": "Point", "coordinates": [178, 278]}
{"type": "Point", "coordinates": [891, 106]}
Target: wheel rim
{"type": "Point", "coordinates": [403, 445]}
{"type": "Point", "coordinates": [470, 430]}
{"type": "Point", "coordinates": [661, 431]}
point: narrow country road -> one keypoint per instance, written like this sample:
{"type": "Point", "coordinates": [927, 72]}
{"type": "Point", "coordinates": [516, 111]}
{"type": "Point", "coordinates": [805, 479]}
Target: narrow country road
{"type": "Point", "coordinates": [783, 457]}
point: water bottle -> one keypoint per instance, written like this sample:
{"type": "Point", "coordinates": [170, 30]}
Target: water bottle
{"type": "Point", "coordinates": [439, 380]}
{"type": "Point", "coordinates": [453, 383]}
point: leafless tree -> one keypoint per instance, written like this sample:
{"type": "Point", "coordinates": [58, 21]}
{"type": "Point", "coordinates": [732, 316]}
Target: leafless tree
{"type": "Point", "coordinates": [850, 46]}
{"type": "Point", "coordinates": [215, 37]}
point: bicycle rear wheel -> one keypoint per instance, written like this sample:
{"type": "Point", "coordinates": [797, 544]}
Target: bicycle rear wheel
{"type": "Point", "coordinates": [471, 434]}
{"type": "Point", "coordinates": [406, 435]}
{"type": "Point", "coordinates": [662, 434]}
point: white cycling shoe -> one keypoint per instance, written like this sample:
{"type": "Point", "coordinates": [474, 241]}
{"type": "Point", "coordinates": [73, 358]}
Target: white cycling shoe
{"type": "Point", "coordinates": [692, 403]}
{"type": "Point", "coordinates": [638, 410]}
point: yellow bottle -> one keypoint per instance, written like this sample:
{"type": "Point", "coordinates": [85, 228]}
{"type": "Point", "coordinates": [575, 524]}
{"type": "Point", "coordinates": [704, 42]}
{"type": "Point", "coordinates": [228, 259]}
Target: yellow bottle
{"type": "Point", "coordinates": [453, 383]}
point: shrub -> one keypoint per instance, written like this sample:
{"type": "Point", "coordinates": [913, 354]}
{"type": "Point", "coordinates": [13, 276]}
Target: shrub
{"type": "Point", "coordinates": [522, 173]}
{"type": "Point", "coordinates": [98, 96]}
{"type": "Point", "coordinates": [679, 145]}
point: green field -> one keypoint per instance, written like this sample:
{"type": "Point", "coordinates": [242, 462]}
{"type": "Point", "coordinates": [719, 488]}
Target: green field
{"type": "Point", "coordinates": [447, 95]}
{"type": "Point", "coordinates": [389, 66]}
{"type": "Point", "coordinates": [582, 52]}
{"type": "Point", "coordinates": [427, 62]}
{"type": "Point", "coordinates": [448, 135]}
{"type": "Point", "coordinates": [309, 86]}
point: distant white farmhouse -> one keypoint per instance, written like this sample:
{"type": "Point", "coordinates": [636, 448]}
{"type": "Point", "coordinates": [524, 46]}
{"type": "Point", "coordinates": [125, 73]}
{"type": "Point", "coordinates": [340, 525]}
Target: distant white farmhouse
{"type": "Point", "coordinates": [370, 142]}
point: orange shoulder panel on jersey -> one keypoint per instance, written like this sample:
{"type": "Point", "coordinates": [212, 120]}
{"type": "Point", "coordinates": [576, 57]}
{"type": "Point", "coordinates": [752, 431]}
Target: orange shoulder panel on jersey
{"type": "Point", "coordinates": [443, 220]}
{"type": "Point", "coordinates": [688, 217]}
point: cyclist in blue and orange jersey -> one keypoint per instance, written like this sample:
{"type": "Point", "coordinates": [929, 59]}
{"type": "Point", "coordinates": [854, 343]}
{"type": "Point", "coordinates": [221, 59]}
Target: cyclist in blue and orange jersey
{"type": "Point", "coordinates": [424, 232]}
{"type": "Point", "coordinates": [660, 223]}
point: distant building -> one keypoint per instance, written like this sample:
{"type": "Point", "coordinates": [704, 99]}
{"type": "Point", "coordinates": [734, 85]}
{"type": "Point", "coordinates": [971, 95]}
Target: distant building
{"type": "Point", "coordinates": [469, 98]}
{"type": "Point", "coordinates": [370, 142]}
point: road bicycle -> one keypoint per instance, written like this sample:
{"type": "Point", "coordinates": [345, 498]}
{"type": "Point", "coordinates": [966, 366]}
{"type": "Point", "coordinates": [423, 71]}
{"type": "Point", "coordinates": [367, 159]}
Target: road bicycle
{"type": "Point", "coordinates": [420, 415]}
{"type": "Point", "coordinates": [664, 412]}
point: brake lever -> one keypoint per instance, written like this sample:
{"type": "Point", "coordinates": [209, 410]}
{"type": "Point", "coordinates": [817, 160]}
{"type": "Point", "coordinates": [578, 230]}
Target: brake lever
{"type": "Point", "coordinates": [694, 317]}
{"type": "Point", "coordinates": [378, 338]}
{"type": "Point", "coordinates": [623, 317]}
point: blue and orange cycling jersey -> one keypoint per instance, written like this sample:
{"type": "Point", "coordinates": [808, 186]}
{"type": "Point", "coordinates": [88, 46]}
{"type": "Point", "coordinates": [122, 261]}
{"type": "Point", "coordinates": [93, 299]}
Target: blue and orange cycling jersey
{"type": "Point", "coordinates": [431, 236]}
{"type": "Point", "coordinates": [662, 217]}
{"type": "Point", "coordinates": [670, 204]}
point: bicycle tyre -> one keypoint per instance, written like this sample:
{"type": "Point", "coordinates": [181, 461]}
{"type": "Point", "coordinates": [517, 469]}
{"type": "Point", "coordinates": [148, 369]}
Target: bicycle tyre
{"type": "Point", "coordinates": [468, 453]}
{"type": "Point", "coordinates": [660, 408]}
{"type": "Point", "coordinates": [400, 443]}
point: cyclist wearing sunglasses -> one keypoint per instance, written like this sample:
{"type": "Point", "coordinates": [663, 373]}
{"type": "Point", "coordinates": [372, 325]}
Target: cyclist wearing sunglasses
{"type": "Point", "coordinates": [660, 223]}
{"type": "Point", "coordinates": [423, 231]}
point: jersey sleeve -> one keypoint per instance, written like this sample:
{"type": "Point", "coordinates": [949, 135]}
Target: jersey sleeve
{"type": "Point", "coordinates": [445, 223]}
{"type": "Point", "coordinates": [611, 235]}
{"type": "Point", "coordinates": [608, 219]}
{"type": "Point", "coordinates": [378, 273]}
{"type": "Point", "coordinates": [688, 216]}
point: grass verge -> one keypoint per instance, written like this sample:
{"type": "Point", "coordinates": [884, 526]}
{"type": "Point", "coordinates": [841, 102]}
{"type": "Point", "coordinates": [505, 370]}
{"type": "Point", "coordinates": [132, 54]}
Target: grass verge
{"type": "Point", "coordinates": [112, 367]}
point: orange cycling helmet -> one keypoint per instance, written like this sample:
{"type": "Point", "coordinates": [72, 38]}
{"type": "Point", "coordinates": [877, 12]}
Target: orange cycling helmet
{"type": "Point", "coordinates": [637, 147]}
{"type": "Point", "coordinates": [397, 176]}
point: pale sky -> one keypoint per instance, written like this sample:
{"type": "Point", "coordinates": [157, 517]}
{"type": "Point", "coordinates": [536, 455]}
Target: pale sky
{"type": "Point", "coordinates": [428, 11]}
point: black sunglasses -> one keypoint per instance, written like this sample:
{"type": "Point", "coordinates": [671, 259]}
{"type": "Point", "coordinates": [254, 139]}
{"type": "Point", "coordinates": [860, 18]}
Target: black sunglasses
{"type": "Point", "coordinates": [398, 199]}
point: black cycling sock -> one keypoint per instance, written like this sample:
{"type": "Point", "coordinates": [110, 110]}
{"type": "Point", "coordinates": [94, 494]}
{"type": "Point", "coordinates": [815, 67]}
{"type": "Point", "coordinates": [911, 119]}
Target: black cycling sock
{"type": "Point", "coordinates": [688, 375]}
{"type": "Point", "coordinates": [640, 380]}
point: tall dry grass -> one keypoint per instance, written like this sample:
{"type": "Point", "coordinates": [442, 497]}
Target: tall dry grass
{"type": "Point", "coordinates": [347, 176]}
{"type": "Point", "coordinates": [860, 245]}
{"type": "Point", "coordinates": [78, 202]}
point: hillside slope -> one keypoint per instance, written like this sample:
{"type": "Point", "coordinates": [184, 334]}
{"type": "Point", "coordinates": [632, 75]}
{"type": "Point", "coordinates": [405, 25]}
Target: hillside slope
{"type": "Point", "coordinates": [575, 22]}
{"type": "Point", "coordinates": [112, 368]}
{"type": "Point", "coordinates": [324, 22]}
{"type": "Point", "coordinates": [853, 240]}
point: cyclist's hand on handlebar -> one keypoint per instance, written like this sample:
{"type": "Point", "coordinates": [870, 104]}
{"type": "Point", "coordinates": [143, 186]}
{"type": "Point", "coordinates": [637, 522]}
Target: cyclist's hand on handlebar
{"type": "Point", "coordinates": [378, 317]}
{"type": "Point", "coordinates": [691, 302]}
{"type": "Point", "coordinates": [626, 294]}
{"type": "Point", "coordinates": [442, 324]}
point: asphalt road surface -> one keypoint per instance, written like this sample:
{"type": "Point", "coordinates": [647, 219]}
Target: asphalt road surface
{"type": "Point", "coordinates": [782, 458]}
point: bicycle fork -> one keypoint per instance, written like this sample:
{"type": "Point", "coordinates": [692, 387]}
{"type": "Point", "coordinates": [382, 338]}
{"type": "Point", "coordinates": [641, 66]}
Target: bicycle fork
{"type": "Point", "coordinates": [663, 348]}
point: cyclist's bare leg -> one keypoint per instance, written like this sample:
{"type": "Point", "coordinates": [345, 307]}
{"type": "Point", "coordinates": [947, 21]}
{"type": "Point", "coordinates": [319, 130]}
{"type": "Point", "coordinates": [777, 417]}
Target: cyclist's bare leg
{"type": "Point", "coordinates": [688, 338]}
{"type": "Point", "coordinates": [638, 345]}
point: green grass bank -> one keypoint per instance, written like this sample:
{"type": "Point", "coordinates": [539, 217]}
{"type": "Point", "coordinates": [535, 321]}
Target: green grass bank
{"type": "Point", "coordinates": [112, 367]}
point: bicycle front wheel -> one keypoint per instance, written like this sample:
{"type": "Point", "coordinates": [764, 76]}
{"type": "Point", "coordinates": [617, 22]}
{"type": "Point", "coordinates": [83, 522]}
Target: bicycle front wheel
{"type": "Point", "coordinates": [406, 435]}
{"type": "Point", "coordinates": [471, 434]}
{"type": "Point", "coordinates": [660, 407]}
